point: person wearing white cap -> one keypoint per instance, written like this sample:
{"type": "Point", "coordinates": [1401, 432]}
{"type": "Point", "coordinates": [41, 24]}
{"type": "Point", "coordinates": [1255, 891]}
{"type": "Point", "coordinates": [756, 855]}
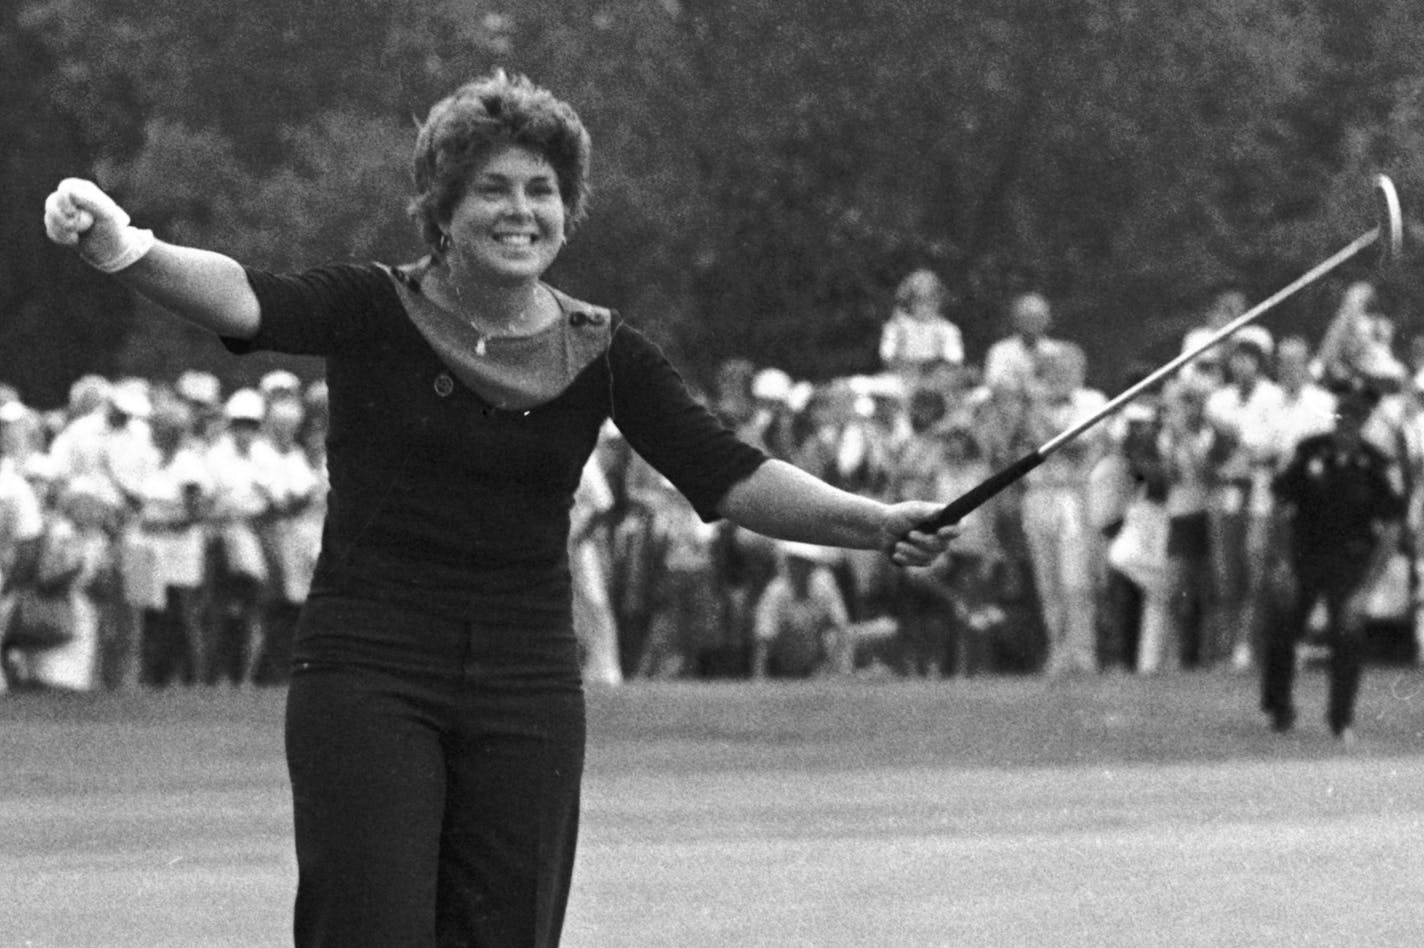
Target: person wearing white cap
{"type": "Point", "coordinates": [279, 382]}
{"type": "Point", "coordinates": [245, 405]}
{"type": "Point", "coordinates": [1245, 414]}
{"type": "Point", "coordinates": [245, 473]}
{"type": "Point", "coordinates": [296, 487]}
{"type": "Point", "coordinates": [466, 396]}
{"type": "Point", "coordinates": [199, 388]}
{"type": "Point", "coordinates": [130, 397]}
{"type": "Point", "coordinates": [770, 427]}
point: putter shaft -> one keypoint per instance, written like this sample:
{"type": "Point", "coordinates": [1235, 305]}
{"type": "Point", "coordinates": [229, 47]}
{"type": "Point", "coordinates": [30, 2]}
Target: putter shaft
{"type": "Point", "coordinates": [978, 495]}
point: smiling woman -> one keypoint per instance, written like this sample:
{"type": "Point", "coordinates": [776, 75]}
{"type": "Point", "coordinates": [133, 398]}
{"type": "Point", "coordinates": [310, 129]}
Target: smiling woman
{"type": "Point", "coordinates": [503, 233]}
{"type": "Point", "coordinates": [435, 722]}
{"type": "Point", "coordinates": [509, 226]}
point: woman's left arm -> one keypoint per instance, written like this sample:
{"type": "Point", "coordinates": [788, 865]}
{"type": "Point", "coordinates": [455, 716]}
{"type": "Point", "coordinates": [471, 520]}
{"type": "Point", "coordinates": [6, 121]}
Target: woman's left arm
{"type": "Point", "coordinates": [782, 501]}
{"type": "Point", "coordinates": [724, 477]}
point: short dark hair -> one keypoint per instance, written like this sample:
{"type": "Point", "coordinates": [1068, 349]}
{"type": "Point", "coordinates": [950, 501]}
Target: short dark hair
{"type": "Point", "coordinates": [465, 127]}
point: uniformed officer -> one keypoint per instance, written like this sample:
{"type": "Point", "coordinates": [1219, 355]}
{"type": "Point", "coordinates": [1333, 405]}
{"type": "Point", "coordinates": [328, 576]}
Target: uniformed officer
{"type": "Point", "coordinates": [1344, 513]}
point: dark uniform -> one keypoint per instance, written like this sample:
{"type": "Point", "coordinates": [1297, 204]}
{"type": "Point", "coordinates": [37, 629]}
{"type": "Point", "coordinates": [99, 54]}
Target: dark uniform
{"type": "Point", "coordinates": [1340, 491]}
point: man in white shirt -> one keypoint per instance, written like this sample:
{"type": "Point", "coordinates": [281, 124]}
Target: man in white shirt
{"type": "Point", "coordinates": [1012, 362]}
{"type": "Point", "coordinates": [110, 443]}
{"type": "Point", "coordinates": [1245, 414]}
{"type": "Point", "coordinates": [1307, 408]}
{"type": "Point", "coordinates": [1065, 547]}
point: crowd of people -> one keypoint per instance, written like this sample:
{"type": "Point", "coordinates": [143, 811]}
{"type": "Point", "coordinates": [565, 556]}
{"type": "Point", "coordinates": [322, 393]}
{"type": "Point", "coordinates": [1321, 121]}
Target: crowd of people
{"type": "Point", "coordinates": [159, 534]}
{"type": "Point", "coordinates": [1157, 540]}
{"type": "Point", "coordinates": [165, 533]}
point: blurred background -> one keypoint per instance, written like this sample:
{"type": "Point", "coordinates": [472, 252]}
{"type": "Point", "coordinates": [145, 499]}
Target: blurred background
{"type": "Point", "coordinates": [765, 171]}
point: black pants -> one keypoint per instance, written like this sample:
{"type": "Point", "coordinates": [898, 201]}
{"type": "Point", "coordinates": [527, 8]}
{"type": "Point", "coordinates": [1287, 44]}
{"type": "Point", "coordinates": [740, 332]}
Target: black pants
{"type": "Point", "coordinates": [924, 630]}
{"type": "Point", "coordinates": [435, 775]}
{"type": "Point", "coordinates": [1120, 622]}
{"type": "Point", "coordinates": [1331, 580]}
{"type": "Point", "coordinates": [279, 624]}
{"type": "Point", "coordinates": [236, 631]}
{"type": "Point", "coordinates": [171, 646]}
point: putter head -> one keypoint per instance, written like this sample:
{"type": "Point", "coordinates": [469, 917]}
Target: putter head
{"type": "Point", "coordinates": [1390, 221]}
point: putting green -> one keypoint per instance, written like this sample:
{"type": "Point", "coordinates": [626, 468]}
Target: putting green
{"type": "Point", "coordinates": [997, 811]}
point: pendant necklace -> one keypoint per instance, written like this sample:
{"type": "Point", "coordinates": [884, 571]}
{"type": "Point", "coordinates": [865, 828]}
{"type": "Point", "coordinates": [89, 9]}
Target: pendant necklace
{"type": "Point", "coordinates": [482, 337]}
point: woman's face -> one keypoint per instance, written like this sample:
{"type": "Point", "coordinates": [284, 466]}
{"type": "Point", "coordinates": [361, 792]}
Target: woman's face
{"type": "Point", "coordinates": [509, 226]}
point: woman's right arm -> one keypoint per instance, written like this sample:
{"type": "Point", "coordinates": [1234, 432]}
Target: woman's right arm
{"type": "Point", "coordinates": [206, 288]}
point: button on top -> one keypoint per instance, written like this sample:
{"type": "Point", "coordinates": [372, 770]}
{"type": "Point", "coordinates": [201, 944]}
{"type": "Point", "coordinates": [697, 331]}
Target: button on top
{"type": "Point", "coordinates": [444, 385]}
{"type": "Point", "coordinates": [580, 318]}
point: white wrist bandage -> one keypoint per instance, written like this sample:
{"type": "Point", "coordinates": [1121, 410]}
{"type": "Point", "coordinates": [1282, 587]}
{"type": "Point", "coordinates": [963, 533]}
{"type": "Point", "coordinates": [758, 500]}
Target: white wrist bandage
{"type": "Point", "coordinates": [131, 245]}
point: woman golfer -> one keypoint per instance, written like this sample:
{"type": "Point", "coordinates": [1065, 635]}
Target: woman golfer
{"type": "Point", "coordinates": [435, 722]}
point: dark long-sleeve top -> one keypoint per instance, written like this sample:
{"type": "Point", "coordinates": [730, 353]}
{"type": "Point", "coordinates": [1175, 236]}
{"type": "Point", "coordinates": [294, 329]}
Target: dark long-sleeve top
{"type": "Point", "coordinates": [1339, 496]}
{"type": "Point", "coordinates": [443, 502]}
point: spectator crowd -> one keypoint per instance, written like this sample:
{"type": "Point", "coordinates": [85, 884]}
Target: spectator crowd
{"type": "Point", "coordinates": [156, 534]}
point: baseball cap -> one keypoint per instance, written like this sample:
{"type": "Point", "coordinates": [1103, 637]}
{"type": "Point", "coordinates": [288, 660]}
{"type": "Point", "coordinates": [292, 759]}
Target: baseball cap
{"type": "Point", "coordinates": [245, 404]}
{"type": "Point", "coordinates": [201, 388]}
{"type": "Point", "coordinates": [131, 397]}
{"type": "Point", "coordinates": [279, 380]}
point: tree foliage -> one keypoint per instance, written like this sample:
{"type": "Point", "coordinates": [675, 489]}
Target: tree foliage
{"type": "Point", "coordinates": [765, 170]}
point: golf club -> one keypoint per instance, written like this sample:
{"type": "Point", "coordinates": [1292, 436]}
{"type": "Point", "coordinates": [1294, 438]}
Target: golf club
{"type": "Point", "coordinates": [1388, 232]}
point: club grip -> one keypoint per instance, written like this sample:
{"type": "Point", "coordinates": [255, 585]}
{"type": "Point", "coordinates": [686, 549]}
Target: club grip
{"type": "Point", "coordinates": [979, 494]}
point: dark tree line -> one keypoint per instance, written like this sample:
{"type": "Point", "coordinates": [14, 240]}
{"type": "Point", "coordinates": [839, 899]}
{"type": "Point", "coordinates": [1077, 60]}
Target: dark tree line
{"type": "Point", "coordinates": [765, 170]}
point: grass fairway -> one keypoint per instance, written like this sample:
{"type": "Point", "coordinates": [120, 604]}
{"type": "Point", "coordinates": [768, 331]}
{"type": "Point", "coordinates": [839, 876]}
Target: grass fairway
{"type": "Point", "coordinates": [1006, 811]}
